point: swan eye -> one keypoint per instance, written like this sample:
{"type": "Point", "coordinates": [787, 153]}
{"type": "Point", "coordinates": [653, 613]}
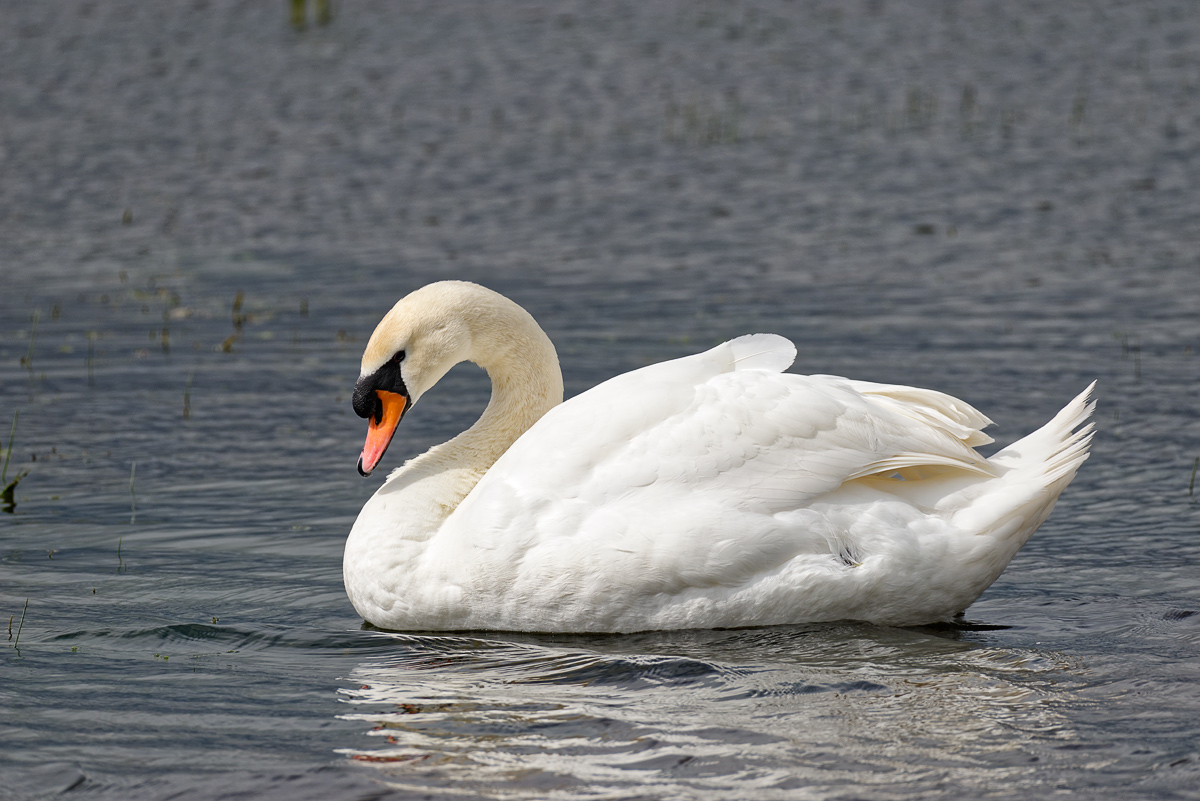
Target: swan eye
{"type": "Point", "coordinates": [399, 357]}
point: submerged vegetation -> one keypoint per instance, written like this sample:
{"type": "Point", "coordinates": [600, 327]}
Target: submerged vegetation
{"type": "Point", "coordinates": [7, 496]}
{"type": "Point", "coordinates": [132, 494]}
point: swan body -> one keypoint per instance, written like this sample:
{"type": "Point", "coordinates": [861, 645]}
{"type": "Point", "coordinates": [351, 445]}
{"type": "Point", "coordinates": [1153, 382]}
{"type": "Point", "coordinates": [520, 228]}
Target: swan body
{"type": "Point", "coordinates": [709, 491]}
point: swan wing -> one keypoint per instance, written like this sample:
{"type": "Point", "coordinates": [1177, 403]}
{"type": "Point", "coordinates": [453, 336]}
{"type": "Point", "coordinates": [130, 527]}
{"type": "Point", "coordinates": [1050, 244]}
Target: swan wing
{"type": "Point", "coordinates": [698, 471]}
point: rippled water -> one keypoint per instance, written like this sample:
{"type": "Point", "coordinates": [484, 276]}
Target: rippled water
{"type": "Point", "coordinates": [997, 201]}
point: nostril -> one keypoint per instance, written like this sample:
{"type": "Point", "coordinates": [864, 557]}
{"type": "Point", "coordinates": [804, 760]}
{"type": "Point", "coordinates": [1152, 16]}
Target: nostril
{"type": "Point", "coordinates": [366, 402]}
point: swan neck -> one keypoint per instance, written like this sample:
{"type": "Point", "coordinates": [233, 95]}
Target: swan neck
{"type": "Point", "coordinates": [526, 380]}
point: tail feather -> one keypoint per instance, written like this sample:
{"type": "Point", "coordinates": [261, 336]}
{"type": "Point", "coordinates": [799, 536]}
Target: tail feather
{"type": "Point", "coordinates": [1060, 446]}
{"type": "Point", "coordinates": [1033, 472]}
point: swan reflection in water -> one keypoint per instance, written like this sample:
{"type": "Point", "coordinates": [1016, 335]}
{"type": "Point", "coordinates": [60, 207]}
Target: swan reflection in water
{"type": "Point", "coordinates": [826, 707]}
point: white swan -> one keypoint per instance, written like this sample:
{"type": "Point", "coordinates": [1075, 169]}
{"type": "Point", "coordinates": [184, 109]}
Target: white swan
{"type": "Point", "coordinates": [709, 491]}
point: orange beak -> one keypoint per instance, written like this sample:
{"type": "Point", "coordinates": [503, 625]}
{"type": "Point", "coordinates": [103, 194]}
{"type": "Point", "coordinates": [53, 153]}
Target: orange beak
{"type": "Point", "coordinates": [379, 435]}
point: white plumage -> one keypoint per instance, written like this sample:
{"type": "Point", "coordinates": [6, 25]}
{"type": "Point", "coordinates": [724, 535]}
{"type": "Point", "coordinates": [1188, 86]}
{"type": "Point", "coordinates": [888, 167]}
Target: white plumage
{"type": "Point", "coordinates": [709, 491]}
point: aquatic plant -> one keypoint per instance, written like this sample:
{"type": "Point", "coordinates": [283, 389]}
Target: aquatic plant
{"type": "Point", "coordinates": [132, 496]}
{"type": "Point", "coordinates": [20, 625]}
{"type": "Point", "coordinates": [7, 495]}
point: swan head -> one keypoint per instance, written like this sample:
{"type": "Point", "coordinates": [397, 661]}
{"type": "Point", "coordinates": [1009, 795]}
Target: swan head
{"type": "Point", "coordinates": [415, 344]}
{"type": "Point", "coordinates": [435, 328]}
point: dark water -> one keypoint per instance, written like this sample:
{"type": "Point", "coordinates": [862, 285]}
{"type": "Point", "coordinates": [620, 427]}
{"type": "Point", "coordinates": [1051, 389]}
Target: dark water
{"type": "Point", "coordinates": [994, 200]}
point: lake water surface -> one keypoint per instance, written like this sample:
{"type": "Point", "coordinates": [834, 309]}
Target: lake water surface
{"type": "Point", "coordinates": [204, 211]}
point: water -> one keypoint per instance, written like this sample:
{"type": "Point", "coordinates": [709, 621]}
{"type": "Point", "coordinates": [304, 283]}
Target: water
{"type": "Point", "coordinates": [996, 201]}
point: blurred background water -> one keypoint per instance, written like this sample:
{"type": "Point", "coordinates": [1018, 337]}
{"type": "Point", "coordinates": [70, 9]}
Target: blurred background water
{"type": "Point", "coordinates": [205, 207]}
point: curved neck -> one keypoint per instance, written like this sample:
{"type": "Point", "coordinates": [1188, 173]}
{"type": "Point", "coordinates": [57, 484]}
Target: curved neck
{"type": "Point", "coordinates": [526, 383]}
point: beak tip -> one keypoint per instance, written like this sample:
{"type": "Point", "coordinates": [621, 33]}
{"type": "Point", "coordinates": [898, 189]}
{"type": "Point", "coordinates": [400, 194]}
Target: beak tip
{"type": "Point", "coordinates": [361, 472]}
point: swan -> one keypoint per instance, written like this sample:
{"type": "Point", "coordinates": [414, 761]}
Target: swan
{"type": "Point", "coordinates": [710, 491]}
